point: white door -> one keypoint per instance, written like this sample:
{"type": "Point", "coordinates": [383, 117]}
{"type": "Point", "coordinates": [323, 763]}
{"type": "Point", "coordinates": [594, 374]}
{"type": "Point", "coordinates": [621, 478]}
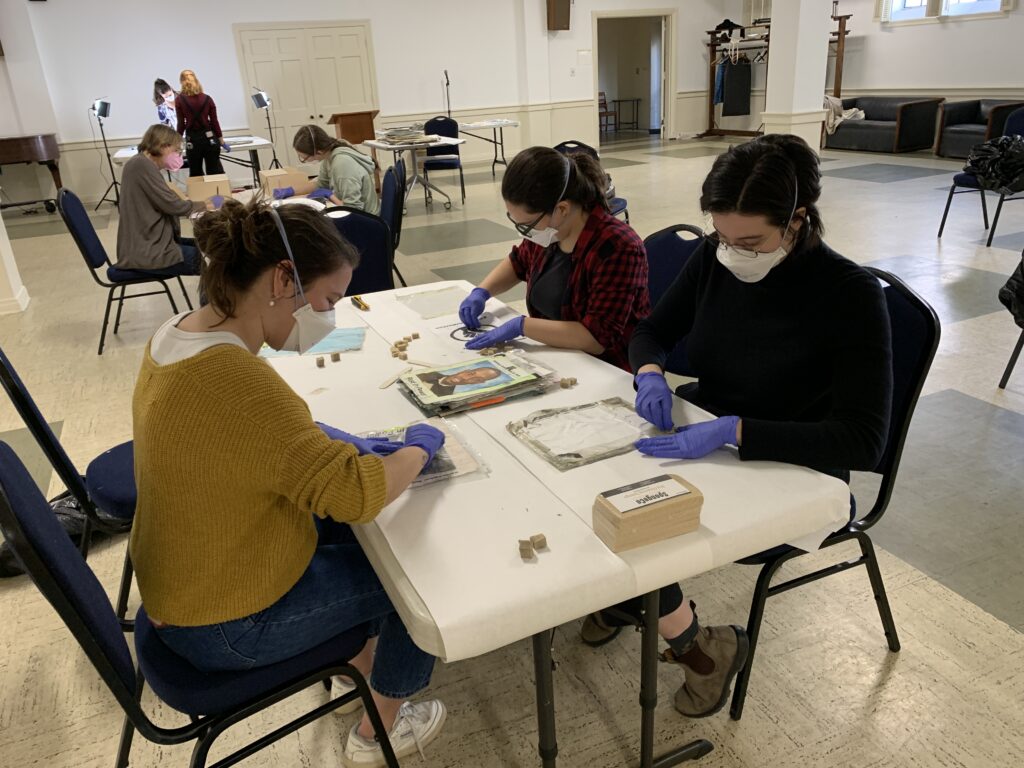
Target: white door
{"type": "Point", "coordinates": [665, 59]}
{"type": "Point", "coordinates": [340, 71]}
{"type": "Point", "coordinates": [276, 62]}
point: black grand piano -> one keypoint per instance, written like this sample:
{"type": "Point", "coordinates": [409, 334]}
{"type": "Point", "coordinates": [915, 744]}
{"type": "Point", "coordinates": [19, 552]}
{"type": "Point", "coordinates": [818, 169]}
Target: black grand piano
{"type": "Point", "coordinates": [42, 149]}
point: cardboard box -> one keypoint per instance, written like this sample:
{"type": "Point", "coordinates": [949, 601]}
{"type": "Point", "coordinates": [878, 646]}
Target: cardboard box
{"type": "Point", "coordinates": [280, 177]}
{"type": "Point", "coordinates": [647, 511]}
{"type": "Point", "coordinates": [205, 187]}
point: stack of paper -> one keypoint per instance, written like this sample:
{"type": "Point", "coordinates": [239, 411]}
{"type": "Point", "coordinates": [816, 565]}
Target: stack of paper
{"type": "Point", "coordinates": [474, 383]}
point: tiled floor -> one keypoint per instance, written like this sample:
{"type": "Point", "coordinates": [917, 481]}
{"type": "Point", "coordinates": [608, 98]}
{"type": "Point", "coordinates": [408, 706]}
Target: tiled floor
{"type": "Point", "coordinates": [824, 692]}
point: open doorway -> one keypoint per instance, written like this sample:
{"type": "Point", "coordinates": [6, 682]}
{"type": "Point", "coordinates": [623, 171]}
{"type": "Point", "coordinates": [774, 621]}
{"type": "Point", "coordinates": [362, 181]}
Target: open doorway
{"type": "Point", "coordinates": [632, 77]}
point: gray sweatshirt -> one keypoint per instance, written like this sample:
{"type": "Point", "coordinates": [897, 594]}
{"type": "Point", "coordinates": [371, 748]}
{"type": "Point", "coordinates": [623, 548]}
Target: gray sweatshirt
{"type": "Point", "coordinates": [149, 213]}
{"type": "Point", "coordinates": [349, 173]}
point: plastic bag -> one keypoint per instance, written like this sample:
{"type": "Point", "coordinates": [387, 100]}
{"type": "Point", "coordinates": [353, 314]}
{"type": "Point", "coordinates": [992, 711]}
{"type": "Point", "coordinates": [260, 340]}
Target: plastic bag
{"type": "Point", "coordinates": [999, 164]}
{"type": "Point", "coordinates": [1012, 294]}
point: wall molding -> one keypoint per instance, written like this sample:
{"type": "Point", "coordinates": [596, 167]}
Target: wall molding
{"type": "Point", "coordinates": [16, 303]}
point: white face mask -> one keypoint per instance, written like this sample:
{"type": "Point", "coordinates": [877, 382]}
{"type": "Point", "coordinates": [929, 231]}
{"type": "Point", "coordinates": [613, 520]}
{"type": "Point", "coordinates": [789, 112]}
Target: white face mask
{"type": "Point", "coordinates": [543, 237]}
{"type": "Point", "coordinates": [310, 326]}
{"type": "Point", "coordinates": [749, 266]}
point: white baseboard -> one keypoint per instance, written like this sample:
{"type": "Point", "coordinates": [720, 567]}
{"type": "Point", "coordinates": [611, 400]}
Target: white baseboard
{"type": "Point", "coordinates": [17, 303]}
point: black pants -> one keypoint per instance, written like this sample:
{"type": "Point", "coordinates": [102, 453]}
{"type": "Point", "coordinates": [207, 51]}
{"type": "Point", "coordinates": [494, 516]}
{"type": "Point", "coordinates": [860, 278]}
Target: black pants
{"type": "Point", "coordinates": [202, 150]}
{"type": "Point", "coordinates": [669, 599]}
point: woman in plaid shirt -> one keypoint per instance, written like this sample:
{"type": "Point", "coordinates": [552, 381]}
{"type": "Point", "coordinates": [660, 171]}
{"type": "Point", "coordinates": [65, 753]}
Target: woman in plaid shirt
{"type": "Point", "coordinates": [585, 271]}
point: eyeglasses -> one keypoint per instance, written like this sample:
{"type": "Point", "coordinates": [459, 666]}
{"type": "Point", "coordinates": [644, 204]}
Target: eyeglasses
{"type": "Point", "coordinates": [525, 229]}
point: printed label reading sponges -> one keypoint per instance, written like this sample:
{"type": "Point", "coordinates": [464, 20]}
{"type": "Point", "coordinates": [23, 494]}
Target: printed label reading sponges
{"type": "Point", "coordinates": [635, 496]}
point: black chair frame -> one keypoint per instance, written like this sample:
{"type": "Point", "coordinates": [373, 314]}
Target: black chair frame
{"type": "Point", "coordinates": [856, 530]}
{"type": "Point", "coordinates": [1011, 364]}
{"type": "Point", "coordinates": [438, 154]}
{"type": "Point", "coordinates": [203, 730]}
{"type": "Point", "coordinates": [122, 286]}
{"type": "Point", "coordinates": [73, 481]}
{"type": "Point", "coordinates": [397, 216]}
{"type": "Point", "coordinates": [361, 212]}
{"type": "Point", "coordinates": [954, 190]}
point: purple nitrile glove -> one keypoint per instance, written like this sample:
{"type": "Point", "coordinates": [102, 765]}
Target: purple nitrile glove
{"type": "Point", "coordinates": [282, 192]}
{"type": "Point", "coordinates": [693, 441]}
{"type": "Point", "coordinates": [321, 193]}
{"type": "Point", "coordinates": [473, 306]}
{"type": "Point", "coordinates": [425, 437]}
{"type": "Point", "coordinates": [377, 446]}
{"type": "Point", "coordinates": [513, 329]}
{"type": "Point", "coordinates": [226, 148]}
{"type": "Point", "coordinates": [654, 399]}
{"type": "Point", "coordinates": [217, 201]}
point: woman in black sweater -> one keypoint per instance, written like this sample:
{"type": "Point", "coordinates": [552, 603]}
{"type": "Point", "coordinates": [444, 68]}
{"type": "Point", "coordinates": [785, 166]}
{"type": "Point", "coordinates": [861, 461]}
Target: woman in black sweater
{"type": "Point", "coordinates": [790, 343]}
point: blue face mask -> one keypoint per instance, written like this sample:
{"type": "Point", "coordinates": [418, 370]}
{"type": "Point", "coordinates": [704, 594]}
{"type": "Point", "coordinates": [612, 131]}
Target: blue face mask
{"type": "Point", "coordinates": [311, 326]}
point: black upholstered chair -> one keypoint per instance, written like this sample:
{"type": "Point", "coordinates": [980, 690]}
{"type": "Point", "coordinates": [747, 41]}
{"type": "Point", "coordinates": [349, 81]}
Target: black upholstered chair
{"type": "Point", "coordinates": [963, 124]}
{"type": "Point", "coordinates": [890, 124]}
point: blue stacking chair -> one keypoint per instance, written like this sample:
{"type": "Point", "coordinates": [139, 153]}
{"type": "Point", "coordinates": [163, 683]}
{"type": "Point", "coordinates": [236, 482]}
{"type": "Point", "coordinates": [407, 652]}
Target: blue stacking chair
{"type": "Point", "coordinates": [371, 236]}
{"type": "Point", "coordinates": [667, 254]}
{"type": "Point", "coordinates": [618, 205]}
{"type": "Point", "coordinates": [915, 337]}
{"type": "Point", "coordinates": [84, 234]}
{"type": "Point", "coordinates": [106, 495]}
{"type": "Point", "coordinates": [968, 182]}
{"type": "Point", "coordinates": [214, 701]}
{"type": "Point", "coordinates": [443, 158]}
{"type": "Point", "coordinates": [391, 211]}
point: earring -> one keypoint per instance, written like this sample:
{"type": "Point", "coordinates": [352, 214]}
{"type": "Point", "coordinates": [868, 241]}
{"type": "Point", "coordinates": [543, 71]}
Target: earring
{"type": "Point", "coordinates": [271, 302]}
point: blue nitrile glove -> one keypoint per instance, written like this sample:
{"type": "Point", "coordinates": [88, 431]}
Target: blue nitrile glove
{"type": "Point", "coordinates": [282, 192]}
{"type": "Point", "coordinates": [424, 436]}
{"type": "Point", "coordinates": [321, 193]}
{"type": "Point", "coordinates": [226, 148]}
{"type": "Point", "coordinates": [472, 307]}
{"type": "Point", "coordinates": [693, 441]}
{"type": "Point", "coordinates": [654, 399]}
{"type": "Point", "coordinates": [218, 201]}
{"type": "Point", "coordinates": [513, 329]}
{"type": "Point", "coordinates": [378, 446]}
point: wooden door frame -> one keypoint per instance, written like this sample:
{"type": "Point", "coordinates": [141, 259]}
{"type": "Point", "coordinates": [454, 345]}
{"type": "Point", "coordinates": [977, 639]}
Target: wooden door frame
{"type": "Point", "coordinates": [271, 26]}
{"type": "Point", "coordinates": [670, 16]}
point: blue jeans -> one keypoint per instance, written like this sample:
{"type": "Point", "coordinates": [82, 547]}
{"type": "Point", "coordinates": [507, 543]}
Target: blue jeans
{"type": "Point", "coordinates": [338, 591]}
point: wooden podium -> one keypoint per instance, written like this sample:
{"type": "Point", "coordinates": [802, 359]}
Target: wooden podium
{"type": "Point", "coordinates": [357, 127]}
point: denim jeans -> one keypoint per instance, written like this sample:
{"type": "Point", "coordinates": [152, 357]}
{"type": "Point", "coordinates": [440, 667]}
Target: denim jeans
{"type": "Point", "coordinates": [338, 591]}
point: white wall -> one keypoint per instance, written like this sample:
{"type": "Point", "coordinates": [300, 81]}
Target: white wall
{"type": "Point", "coordinates": [952, 55]}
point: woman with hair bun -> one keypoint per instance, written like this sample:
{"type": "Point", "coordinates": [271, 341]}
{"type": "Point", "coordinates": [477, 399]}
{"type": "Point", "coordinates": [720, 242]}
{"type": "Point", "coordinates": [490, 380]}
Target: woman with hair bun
{"type": "Point", "coordinates": [585, 271]}
{"type": "Point", "coordinates": [791, 346]}
{"type": "Point", "coordinates": [241, 541]}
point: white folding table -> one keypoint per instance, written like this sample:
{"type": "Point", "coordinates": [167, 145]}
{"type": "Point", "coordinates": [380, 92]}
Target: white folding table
{"type": "Point", "coordinates": [497, 127]}
{"type": "Point", "coordinates": [412, 148]}
{"type": "Point", "coordinates": [447, 553]}
{"type": "Point", "coordinates": [251, 143]}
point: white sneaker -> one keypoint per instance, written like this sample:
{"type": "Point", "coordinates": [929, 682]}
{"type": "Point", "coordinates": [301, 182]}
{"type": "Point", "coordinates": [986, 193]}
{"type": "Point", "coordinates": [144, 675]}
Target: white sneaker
{"type": "Point", "coordinates": [416, 726]}
{"type": "Point", "coordinates": [339, 687]}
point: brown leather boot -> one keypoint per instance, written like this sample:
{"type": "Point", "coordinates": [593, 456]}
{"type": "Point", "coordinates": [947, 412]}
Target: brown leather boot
{"type": "Point", "coordinates": [710, 663]}
{"type": "Point", "coordinates": [595, 631]}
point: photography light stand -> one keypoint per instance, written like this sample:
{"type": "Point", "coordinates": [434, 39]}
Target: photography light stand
{"type": "Point", "coordinates": [447, 94]}
{"type": "Point", "coordinates": [261, 101]}
{"type": "Point", "coordinates": [102, 109]}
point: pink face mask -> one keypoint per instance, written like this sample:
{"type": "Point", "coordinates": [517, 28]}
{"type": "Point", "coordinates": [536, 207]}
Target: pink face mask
{"type": "Point", "coordinates": [173, 161]}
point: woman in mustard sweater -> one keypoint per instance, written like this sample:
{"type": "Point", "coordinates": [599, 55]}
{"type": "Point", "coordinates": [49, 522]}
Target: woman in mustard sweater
{"type": "Point", "coordinates": [232, 471]}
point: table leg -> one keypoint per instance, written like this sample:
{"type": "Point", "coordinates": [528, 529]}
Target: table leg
{"type": "Point", "coordinates": [547, 746]}
{"type": "Point", "coordinates": [254, 160]}
{"type": "Point", "coordinates": [55, 173]}
{"type": "Point", "coordinates": [649, 696]}
{"type": "Point", "coordinates": [494, 163]}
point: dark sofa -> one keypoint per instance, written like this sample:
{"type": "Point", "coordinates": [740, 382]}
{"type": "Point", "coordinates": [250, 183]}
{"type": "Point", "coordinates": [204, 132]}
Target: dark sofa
{"type": "Point", "coordinates": [967, 123]}
{"type": "Point", "coordinates": [891, 124]}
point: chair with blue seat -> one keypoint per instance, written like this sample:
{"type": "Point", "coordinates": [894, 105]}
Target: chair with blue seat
{"type": "Point", "coordinates": [214, 701]}
{"type": "Point", "coordinates": [617, 205]}
{"type": "Point", "coordinates": [371, 236]}
{"type": "Point", "coordinates": [391, 211]}
{"type": "Point", "coordinates": [106, 495]}
{"type": "Point", "coordinates": [915, 337]}
{"type": "Point", "coordinates": [443, 158]}
{"type": "Point", "coordinates": [76, 219]}
{"type": "Point", "coordinates": [968, 182]}
{"type": "Point", "coordinates": [668, 250]}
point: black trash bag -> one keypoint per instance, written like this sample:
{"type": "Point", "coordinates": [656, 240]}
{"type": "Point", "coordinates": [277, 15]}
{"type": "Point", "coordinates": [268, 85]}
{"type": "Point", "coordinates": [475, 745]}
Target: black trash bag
{"type": "Point", "coordinates": [999, 164]}
{"type": "Point", "coordinates": [1012, 294]}
{"type": "Point", "coordinates": [72, 519]}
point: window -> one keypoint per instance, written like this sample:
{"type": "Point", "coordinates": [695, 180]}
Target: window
{"type": "Point", "coordinates": [896, 11]}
